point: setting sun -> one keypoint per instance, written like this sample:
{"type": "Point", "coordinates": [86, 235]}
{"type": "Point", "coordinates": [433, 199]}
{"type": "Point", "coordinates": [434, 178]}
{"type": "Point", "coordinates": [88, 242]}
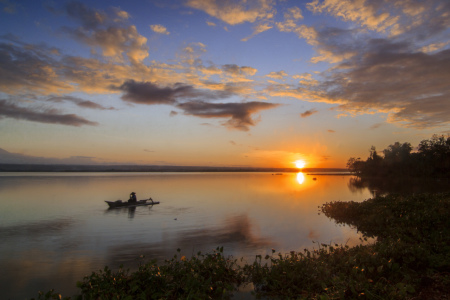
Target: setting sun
{"type": "Point", "coordinates": [300, 164]}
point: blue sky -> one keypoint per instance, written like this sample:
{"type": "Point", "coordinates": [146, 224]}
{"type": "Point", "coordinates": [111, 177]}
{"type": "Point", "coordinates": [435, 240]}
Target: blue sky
{"type": "Point", "coordinates": [223, 83]}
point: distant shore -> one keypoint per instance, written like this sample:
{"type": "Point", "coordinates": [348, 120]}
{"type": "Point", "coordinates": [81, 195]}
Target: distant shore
{"type": "Point", "coordinates": [153, 168]}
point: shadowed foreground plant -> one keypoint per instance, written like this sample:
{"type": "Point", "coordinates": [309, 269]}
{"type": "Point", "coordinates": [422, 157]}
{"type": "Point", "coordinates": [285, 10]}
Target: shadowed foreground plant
{"type": "Point", "coordinates": [409, 260]}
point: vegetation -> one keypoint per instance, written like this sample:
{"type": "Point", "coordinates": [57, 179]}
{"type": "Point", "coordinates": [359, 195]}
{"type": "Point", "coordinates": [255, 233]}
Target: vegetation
{"type": "Point", "coordinates": [203, 276]}
{"type": "Point", "coordinates": [409, 260]}
{"type": "Point", "coordinates": [432, 158]}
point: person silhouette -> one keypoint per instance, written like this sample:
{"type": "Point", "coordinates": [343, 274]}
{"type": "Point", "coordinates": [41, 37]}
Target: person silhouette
{"type": "Point", "coordinates": [132, 198]}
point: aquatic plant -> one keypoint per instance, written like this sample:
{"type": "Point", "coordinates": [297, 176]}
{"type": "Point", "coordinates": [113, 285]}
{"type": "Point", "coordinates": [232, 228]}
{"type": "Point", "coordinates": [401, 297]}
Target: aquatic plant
{"type": "Point", "coordinates": [409, 260]}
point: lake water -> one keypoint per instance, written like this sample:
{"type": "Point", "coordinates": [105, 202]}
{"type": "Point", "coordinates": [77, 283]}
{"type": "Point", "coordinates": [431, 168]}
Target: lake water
{"type": "Point", "coordinates": [55, 228]}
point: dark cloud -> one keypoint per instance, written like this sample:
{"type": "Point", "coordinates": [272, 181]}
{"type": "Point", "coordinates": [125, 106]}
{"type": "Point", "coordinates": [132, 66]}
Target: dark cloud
{"type": "Point", "coordinates": [173, 113]}
{"type": "Point", "coordinates": [239, 113]}
{"type": "Point", "coordinates": [411, 86]}
{"type": "Point", "coordinates": [50, 116]}
{"type": "Point", "coordinates": [150, 93]}
{"type": "Point", "coordinates": [80, 102]}
{"type": "Point", "coordinates": [89, 18]}
{"type": "Point", "coordinates": [405, 74]}
{"type": "Point", "coordinates": [107, 31]}
{"type": "Point", "coordinates": [29, 67]}
{"type": "Point", "coordinates": [308, 113]}
{"type": "Point", "coordinates": [237, 70]}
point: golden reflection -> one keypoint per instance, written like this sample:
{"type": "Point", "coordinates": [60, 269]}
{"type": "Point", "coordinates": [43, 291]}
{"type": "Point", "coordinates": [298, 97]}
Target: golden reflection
{"type": "Point", "coordinates": [300, 177]}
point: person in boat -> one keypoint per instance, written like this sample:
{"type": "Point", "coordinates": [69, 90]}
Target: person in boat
{"type": "Point", "coordinates": [132, 198]}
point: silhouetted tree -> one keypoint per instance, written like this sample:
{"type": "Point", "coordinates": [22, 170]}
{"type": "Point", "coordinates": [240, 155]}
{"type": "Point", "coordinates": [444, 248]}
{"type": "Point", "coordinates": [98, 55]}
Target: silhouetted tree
{"type": "Point", "coordinates": [431, 159]}
{"type": "Point", "coordinates": [435, 155]}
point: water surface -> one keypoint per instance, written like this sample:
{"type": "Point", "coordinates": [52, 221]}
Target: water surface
{"type": "Point", "coordinates": [55, 227]}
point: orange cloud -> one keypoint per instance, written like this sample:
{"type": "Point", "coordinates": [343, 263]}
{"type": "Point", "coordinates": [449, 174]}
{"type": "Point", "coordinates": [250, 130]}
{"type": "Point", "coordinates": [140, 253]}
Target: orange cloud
{"type": "Point", "coordinates": [277, 75]}
{"type": "Point", "coordinates": [159, 29]}
{"type": "Point", "coordinates": [235, 12]}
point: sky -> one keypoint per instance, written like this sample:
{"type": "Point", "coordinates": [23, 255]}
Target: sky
{"type": "Point", "coordinates": [241, 83]}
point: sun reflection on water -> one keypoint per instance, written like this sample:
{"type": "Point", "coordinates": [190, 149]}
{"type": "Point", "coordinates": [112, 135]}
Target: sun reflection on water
{"type": "Point", "coordinates": [300, 177]}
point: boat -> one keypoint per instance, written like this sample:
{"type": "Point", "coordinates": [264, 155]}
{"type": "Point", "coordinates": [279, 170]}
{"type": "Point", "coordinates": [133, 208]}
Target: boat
{"type": "Point", "coordinates": [121, 204]}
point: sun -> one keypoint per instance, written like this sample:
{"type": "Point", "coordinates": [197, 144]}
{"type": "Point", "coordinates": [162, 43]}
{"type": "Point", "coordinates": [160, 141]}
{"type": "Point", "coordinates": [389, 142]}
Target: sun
{"type": "Point", "coordinates": [300, 164]}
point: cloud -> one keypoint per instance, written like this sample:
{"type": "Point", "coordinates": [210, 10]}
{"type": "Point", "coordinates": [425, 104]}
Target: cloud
{"type": "Point", "coordinates": [89, 18]}
{"type": "Point", "coordinates": [257, 30]}
{"type": "Point", "coordinates": [159, 29]}
{"type": "Point", "coordinates": [277, 75]}
{"type": "Point", "coordinates": [308, 113]}
{"type": "Point", "coordinates": [235, 12]}
{"type": "Point", "coordinates": [101, 30]}
{"type": "Point", "coordinates": [212, 24]}
{"type": "Point", "coordinates": [239, 113]}
{"type": "Point", "coordinates": [412, 87]}
{"type": "Point", "coordinates": [79, 102]}
{"type": "Point", "coordinates": [26, 67]}
{"type": "Point", "coordinates": [50, 116]}
{"type": "Point", "coordinates": [375, 126]}
{"type": "Point", "coordinates": [331, 131]}
{"type": "Point", "coordinates": [121, 14]}
{"type": "Point", "coordinates": [393, 59]}
{"type": "Point", "coordinates": [151, 93]}
{"type": "Point", "coordinates": [306, 79]}
{"type": "Point", "coordinates": [367, 13]}
{"type": "Point", "coordinates": [238, 71]}
{"type": "Point", "coordinates": [418, 19]}
{"type": "Point", "coordinates": [434, 47]}
{"type": "Point", "coordinates": [293, 13]}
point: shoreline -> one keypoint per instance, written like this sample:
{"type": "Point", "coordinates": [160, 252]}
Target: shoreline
{"type": "Point", "coordinates": [156, 169]}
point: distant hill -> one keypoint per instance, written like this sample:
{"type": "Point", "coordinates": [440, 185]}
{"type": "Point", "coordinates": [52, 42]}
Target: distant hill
{"type": "Point", "coordinates": [146, 168]}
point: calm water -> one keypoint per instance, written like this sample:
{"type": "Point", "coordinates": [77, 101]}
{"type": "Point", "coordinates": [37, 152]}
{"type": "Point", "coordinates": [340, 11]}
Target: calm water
{"type": "Point", "coordinates": [56, 228]}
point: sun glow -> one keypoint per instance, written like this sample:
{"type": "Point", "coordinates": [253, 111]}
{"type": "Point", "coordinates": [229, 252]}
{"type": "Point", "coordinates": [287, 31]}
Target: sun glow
{"type": "Point", "coordinates": [300, 164]}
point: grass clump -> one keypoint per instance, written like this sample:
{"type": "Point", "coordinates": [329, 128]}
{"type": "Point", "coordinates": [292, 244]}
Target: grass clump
{"type": "Point", "coordinates": [203, 276]}
{"type": "Point", "coordinates": [409, 260]}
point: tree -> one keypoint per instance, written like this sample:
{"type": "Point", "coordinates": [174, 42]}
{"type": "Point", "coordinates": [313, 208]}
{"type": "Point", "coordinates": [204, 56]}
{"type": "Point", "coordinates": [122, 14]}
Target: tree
{"type": "Point", "coordinates": [397, 152]}
{"type": "Point", "coordinates": [435, 155]}
{"type": "Point", "coordinates": [355, 165]}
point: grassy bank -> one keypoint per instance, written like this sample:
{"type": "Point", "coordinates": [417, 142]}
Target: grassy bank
{"type": "Point", "coordinates": [410, 260]}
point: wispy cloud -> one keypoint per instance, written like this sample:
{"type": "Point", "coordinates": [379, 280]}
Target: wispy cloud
{"type": "Point", "coordinates": [235, 12]}
{"type": "Point", "coordinates": [308, 113]}
{"type": "Point", "coordinates": [260, 28]}
{"type": "Point", "coordinates": [79, 102]}
{"type": "Point", "coordinates": [51, 116]}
